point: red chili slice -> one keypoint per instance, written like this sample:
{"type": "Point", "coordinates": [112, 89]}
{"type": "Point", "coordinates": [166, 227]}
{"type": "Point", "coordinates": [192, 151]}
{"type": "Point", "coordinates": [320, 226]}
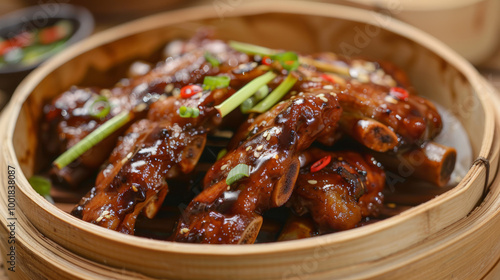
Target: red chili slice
{"type": "Point", "coordinates": [399, 93]}
{"type": "Point", "coordinates": [320, 164]}
{"type": "Point", "coordinates": [190, 90]}
{"type": "Point", "coordinates": [266, 60]}
{"type": "Point", "coordinates": [327, 78]}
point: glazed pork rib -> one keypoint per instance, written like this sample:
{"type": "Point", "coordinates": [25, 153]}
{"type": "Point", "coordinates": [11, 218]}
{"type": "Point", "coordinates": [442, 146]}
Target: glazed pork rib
{"type": "Point", "coordinates": [68, 118]}
{"type": "Point", "coordinates": [152, 151]}
{"type": "Point", "coordinates": [380, 94]}
{"type": "Point", "coordinates": [341, 193]}
{"type": "Point", "coordinates": [231, 214]}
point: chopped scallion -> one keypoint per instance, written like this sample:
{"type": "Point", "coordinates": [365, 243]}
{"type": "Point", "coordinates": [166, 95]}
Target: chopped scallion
{"type": "Point", "coordinates": [93, 139]}
{"type": "Point", "coordinates": [244, 93]}
{"type": "Point", "coordinates": [100, 108]}
{"type": "Point", "coordinates": [40, 184]}
{"type": "Point", "coordinates": [289, 60]}
{"type": "Point", "coordinates": [275, 96]}
{"type": "Point", "coordinates": [222, 153]}
{"type": "Point", "coordinates": [239, 171]}
{"type": "Point", "coordinates": [253, 100]}
{"type": "Point", "coordinates": [213, 82]}
{"type": "Point", "coordinates": [247, 104]}
{"type": "Point", "coordinates": [326, 67]}
{"type": "Point", "coordinates": [251, 49]}
{"type": "Point", "coordinates": [188, 112]}
{"type": "Point", "coordinates": [212, 59]}
{"type": "Point", "coordinates": [261, 93]}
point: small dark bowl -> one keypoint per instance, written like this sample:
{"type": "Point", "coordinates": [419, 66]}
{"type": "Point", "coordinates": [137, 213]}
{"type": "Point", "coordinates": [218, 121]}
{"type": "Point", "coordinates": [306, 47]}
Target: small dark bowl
{"type": "Point", "coordinates": [37, 17]}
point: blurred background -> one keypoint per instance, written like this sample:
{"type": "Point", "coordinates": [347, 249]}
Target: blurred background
{"type": "Point", "coordinates": [471, 27]}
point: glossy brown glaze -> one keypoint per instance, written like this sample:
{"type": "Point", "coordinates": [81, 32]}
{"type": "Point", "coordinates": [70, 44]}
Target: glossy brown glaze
{"type": "Point", "coordinates": [231, 214]}
{"type": "Point", "coordinates": [68, 119]}
{"type": "Point", "coordinates": [331, 98]}
{"type": "Point", "coordinates": [339, 195]}
{"type": "Point", "coordinates": [366, 93]}
{"type": "Point", "coordinates": [153, 150]}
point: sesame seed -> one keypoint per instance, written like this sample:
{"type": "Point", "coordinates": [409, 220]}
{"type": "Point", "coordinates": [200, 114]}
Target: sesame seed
{"type": "Point", "coordinates": [228, 188]}
{"type": "Point", "coordinates": [107, 216]}
{"type": "Point", "coordinates": [268, 137]}
{"type": "Point", "coordinates": [200, 95]}
{"type": "Point", "coordinates": [105, 212]}
{"type": "Point", "coordinates": [140, 107]}
{"type": "Point", "coordinates": [370, 66]}
{"type": "Point", "coordinates": [184, 230]}
{"type": "Point", "coordinates": [223, 167]}
{"type": "Point", "coordinates": [312, 182]}
{"type": "Point", "coordinates": [249, 148]}
{"type": "Point", "coordinates": [134, 188]}
{"type": "Point", "coordinates": [391, 99]}
{"type": "Point", "coordinates": [391, 205]}
{"type": "Point", "coordinates": [176, 92]}
{"type": "Point", "coordinates": [276, 156]}
{"type": "Point", "coordinates": [324, 99]}
{"type": "Point", "coordinates": [256, 154]}
{"type": "Point", "coordinates": [328, 87]}
{"type": "Point", "coordinates": [169, 88]}
{"type": "Point", "coordinates": [259, 147]}
{"type": "Point", "coordinates": [333, 94]}
{"type": "Point", "coordinates": [99, 219]}
{"type": "Point", "coordinates": [265, 134]}
{"type": "Point", "coordinates": [293, 92]}
{"type": "Point", "coordinates": [321, 95]}
{"type": "Point", "coordinates": [106, 93]}
{"type": "Point", "coordinates": [363, 77]}
{"type": "Point", "coordinates": [301, 93]}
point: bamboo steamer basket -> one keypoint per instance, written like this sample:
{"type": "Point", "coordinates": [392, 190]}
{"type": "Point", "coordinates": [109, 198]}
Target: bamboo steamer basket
{"type": "Point", "coordinates": [452, 235]}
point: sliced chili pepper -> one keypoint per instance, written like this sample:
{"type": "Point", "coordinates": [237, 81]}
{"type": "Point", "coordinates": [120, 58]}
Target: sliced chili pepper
{"type": "Point", "coordinates": [190, 90]}
{"type": "Point", "coordinates": [328, 78]}
{"type": "Point", "coordinates": [399, 93]}
{"type": "Point", "coordinates": [266, 60]}
{"type": "Point", "coordinates": [320, 164]}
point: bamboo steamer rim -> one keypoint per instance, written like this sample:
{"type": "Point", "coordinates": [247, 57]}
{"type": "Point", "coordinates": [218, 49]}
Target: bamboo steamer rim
{"type": "Point", "coordinates": [246, 9]}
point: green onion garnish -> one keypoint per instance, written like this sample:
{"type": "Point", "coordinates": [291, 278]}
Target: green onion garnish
{"type": "Point", "coordinates": [247, 105]}
{"type": "Point", "coordinates": [42, 186]}
{"type": "Point", "coordinates": [251, 49]}
{"type": "Point", "coordinates": [100, 108]}
{"type": "Point", "coordinates": [289, 60]}
{"type": "Point", "coordinates": [188, 112]}
{"type": "Point", "coordinates": [239, 171]}
{"type": "Point", "coordinates": [275, 96]}
{"type": "Point", "coordinates": [212, 59]}
{"type": "Point", "coordinates": [261, 93]}
{"type": "Point", "coordinates": [213, 82]}
{"type": "Point", "coordinates": [250, 102]}
{"type": "Point", "coordinates": [93, 139]}
{"type": "Point", "coordinates": [244, 93]}
{"type": "Point", "coordinates": [325, 67]}
{"type": "Point", "coordinates": [222, 153]}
